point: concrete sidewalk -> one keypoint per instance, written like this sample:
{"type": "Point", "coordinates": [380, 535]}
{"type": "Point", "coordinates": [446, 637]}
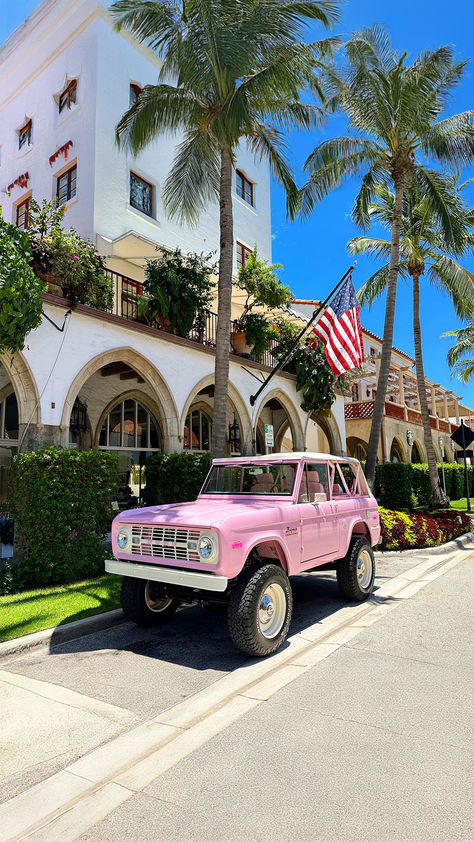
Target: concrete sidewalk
{"type": "Point", "coordinates": [372, 744]}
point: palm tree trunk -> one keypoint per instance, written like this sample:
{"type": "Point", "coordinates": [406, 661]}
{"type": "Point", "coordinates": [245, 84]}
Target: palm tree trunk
{"type": "Point", "coordinates": [224, 288]}
{"type": "Point", "coordinates": [379, 403]}
{"type": "Point", "coordinates": [438, 498]}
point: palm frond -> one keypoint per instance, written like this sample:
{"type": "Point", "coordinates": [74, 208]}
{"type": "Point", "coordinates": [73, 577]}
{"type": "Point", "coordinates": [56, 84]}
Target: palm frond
{"type": "Point", "coordinates": [158, 108]}
{"type": "Point", "coordinates": [193, 180]}
{"type": "Point", "coordinates": [456, 281]}
{"type": "Point", "coordinates": [267, 142]}
{"type": "Point", "coordinates": [451, 141]}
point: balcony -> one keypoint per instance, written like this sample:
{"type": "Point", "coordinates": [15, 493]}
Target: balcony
{"type": "Point", "coordinates": [203, 332]}
{"type": "Point", "coordinates": [361, 410]}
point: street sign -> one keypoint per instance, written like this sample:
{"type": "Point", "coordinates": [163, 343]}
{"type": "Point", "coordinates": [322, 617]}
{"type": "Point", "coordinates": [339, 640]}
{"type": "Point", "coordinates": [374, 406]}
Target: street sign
{"type": "Point", "coordinates": [269, 435]}
{"type": "Point", "coordinates": [463, 436]}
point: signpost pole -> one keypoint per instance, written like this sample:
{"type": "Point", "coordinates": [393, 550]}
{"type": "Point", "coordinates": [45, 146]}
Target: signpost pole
{"type": "Point", "coordinates": [466, 480]}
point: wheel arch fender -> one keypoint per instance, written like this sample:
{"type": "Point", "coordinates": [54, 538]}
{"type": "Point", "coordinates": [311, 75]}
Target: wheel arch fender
{"type": "Point", "coordinates": [272, 547]}
{"type": "Point", "coordinates": [358, 529]}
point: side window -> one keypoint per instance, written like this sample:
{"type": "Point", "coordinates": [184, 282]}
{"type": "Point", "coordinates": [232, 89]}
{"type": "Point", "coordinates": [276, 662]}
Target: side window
{"type": "Point", "coordinates": [314, 483]}
{"type": "Point", "coordinates": [347, 477]}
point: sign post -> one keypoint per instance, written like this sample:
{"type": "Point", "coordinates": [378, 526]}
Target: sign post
{"type": "Point", "coordinates": [441, 447]}
{"type": "Point", "coordinates": [268, 436]}
{"type": "Point", "coordinates": [463, 437]}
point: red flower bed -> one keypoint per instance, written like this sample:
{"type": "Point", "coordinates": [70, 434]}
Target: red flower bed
{"type": "Point", "coordinates": [404, 530]}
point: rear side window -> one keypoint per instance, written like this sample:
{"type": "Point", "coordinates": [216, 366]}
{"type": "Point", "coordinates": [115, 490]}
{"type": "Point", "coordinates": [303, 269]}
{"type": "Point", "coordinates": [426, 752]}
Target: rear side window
{"type": "Point", "coordinates": [349, 480]}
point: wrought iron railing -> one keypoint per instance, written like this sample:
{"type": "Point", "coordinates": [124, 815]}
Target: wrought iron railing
{"type": "Point", "coordinates": [204, 330]}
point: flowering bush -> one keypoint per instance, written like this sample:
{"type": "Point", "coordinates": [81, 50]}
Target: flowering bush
{"type": "Point", "coordinates": [72, 260]}
{"type": "Point", "coordinates": [403, 531]}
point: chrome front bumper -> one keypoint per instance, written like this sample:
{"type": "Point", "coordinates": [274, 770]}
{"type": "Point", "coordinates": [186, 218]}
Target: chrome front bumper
{"type": "Point", "coordinates": [167, 575]}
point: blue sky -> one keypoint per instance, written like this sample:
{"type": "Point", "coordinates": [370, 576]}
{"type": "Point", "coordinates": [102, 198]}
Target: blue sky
{"type": "Point", "coordinates": [314, 252]}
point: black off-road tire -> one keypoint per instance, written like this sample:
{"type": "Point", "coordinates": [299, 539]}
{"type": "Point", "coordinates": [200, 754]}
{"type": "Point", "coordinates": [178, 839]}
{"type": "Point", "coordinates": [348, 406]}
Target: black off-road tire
{"type": "Point", "coordinates": [351, 586]}
{"type": "Point", "coordinates": [136, 598]}
{"type": "Point", "coordinates": [244, 605]}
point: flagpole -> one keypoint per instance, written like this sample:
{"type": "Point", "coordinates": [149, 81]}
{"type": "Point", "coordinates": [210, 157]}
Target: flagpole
{"type": "Point", "coordinates": [290, 350]}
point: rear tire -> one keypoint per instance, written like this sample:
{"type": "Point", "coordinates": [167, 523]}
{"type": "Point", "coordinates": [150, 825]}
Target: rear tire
{"type": "Point", "coordinates": [145, 602]}
{"type": "Point", "coordinates": [260, 608]}
{"type": "Point", "coordinates": [356, 571]}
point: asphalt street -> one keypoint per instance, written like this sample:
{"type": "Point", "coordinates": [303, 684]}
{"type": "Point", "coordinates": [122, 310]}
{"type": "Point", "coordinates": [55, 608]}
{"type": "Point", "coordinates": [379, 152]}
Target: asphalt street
{"type": "Point", "coordinates": [372, 743]}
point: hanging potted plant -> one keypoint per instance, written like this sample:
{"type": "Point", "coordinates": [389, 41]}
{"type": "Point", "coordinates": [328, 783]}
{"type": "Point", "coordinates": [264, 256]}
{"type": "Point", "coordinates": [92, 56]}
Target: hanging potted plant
{"type": "Point", "coordinates": [264, 289]}
{"type": "Point", "coordinates": [177, 287]}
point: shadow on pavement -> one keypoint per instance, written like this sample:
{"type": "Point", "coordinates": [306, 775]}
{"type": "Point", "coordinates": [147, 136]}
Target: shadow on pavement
{"type": "Point", "coordinates": [198, 638]}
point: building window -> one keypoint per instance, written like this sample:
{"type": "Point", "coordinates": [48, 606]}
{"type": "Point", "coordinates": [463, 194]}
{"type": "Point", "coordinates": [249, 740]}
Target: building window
{"type": "Point", "coordinates": [24, 135]}
{"type": "Point", "coordinates": [141, 194]}
{"type": "Point", "coordinates": [197, 431]}
{"type": "Point", "coordinates": [22, 213]}
{"type": "Point", "coordinates": [66, 185]}
{"type": "Point", "coordinates": [68, 96]}
{"type": "Point", "coordinates": [244, 187]}
{"type": "Point", "coordinates": [242, 254]}
{"type": "Point", "coordinates": [9, 418]}
{"type": "Point", "coordinates": [135, 91]}
{"type": "Point", "coordinates": [131, 426]}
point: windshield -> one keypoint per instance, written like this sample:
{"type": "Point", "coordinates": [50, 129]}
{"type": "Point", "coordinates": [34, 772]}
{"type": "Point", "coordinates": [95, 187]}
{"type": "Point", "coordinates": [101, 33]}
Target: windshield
{"type": "Point", "coordinates": [251, 479]}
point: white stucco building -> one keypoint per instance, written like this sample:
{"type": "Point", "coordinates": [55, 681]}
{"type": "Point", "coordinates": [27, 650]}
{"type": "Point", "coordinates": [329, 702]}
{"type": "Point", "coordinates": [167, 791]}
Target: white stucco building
{"type": "Point", "coordinates": [66, 78]}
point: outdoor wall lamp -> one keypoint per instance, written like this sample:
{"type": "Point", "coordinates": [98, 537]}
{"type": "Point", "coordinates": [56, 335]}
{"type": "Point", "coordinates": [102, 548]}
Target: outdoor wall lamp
{"type": "Point", "coordinates": [78, 423]}
{"type": "Point", "coordinates": [234, 436]}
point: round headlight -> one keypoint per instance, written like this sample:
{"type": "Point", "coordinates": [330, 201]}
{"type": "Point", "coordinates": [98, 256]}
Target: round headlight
{"type": "Point", "coordinates": [122, 539]}
{"type": "Point", "coordinates": [205, 547]}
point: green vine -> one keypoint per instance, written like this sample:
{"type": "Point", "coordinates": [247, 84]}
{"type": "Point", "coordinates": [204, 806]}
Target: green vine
{"type": "Point", "coordinates": [314, 377]}
{"type": "Point", "coordinates": [20, 289]}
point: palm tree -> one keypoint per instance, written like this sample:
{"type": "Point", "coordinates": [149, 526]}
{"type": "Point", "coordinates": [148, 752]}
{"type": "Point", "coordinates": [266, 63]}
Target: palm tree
{"type": "Point", "coordinates": [462, 365]}
{"type": "Point", "coordinates": [427, 245]}
{"type": "Point", "coordinates": [393, 109]}
{"type": "Point", "coordinates": [232, 73]}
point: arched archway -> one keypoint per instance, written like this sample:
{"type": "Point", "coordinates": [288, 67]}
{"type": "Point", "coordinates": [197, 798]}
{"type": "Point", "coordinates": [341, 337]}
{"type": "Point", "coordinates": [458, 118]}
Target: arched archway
{"type": "Point", "coordinates": [322, 434]}
{"type": "Point", "coordinates": [127, 365]}
{"type": "Point", "coordinates": [357, 448]}
{"type": "Point", "coordinates": [16, 377]}
{"type": "Point", "coordinates": [417, 454]}
{"type": "Point", "coordinates": [397, 453]}
{"type": "Point", "coordinates": [279, 411]}
{"type": "Point", "coordinates": [198, 414]}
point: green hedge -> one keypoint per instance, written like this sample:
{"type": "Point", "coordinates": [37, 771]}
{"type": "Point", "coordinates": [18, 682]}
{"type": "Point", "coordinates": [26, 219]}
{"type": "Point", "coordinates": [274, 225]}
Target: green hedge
{"type": "Point", "coordinates": [404, 486]}
{"type": "Point", "coordinates": [60, 502]}
{"type": "Point", "coordinates": [175, 477]}
{"type": "Point", "coordinates": [396, 484]}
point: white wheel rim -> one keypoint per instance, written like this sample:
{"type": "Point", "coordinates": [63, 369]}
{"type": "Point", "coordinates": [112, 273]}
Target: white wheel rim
{"type": "Point", "coordinates": [364, 569]}
{"type": "Point", "coordinates": [271, 611]}
{"type": "Point", "coordinates": [152, 601]}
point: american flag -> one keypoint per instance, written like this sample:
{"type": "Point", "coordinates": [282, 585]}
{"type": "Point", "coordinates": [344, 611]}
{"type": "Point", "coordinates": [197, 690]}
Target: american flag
{"type": "Point", "coordinates": [339, 330]}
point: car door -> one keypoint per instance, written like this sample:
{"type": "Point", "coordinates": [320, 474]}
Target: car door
{"type": "Point", "coordinates": [346, 499]}
{"type": "Point", "coordinates": [318, 518]}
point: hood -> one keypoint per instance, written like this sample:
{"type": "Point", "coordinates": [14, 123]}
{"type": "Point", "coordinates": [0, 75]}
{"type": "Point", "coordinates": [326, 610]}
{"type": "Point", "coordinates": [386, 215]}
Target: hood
{"type": "Point", "coordinates": [203, 512]}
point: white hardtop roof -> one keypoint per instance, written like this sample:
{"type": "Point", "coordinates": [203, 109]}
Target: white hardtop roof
{"type": "Point", "coordinates": [284, 457]}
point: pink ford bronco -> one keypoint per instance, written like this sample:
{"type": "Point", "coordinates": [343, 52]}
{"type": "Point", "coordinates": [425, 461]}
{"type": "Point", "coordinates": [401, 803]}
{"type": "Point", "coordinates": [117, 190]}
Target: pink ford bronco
{"type": "Point", "coordinates": [257, 521]}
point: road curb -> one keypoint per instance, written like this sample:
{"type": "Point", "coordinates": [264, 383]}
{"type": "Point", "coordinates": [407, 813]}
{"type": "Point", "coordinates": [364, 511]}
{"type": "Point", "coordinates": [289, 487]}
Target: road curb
{"type": "Point", "coordinates": [99, 622]}
{"type": "Point", "coordinates": [60, 634]}
{"type": "Point", "coordinates": [441, 549]}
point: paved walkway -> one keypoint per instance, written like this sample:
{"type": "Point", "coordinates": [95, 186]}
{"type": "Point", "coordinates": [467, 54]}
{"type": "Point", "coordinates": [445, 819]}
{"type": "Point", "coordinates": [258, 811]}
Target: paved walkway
{"type": "Point", "coordinates": [373, 743]}
{"type": "Point", "coordinates": [359, 729]}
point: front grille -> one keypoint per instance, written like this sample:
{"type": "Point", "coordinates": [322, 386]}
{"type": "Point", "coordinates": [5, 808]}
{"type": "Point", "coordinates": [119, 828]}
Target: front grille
{"type": "Point", "coordinates": [166, 542]}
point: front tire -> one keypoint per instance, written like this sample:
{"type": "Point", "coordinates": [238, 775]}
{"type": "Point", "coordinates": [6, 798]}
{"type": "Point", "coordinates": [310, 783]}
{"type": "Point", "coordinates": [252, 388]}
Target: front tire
{"type": "Point", "coordinates": [260, 608]}
{"type": "Point", "coordinates": [356, 571]}
{"type": "Point", "coordinates": [145, 603]}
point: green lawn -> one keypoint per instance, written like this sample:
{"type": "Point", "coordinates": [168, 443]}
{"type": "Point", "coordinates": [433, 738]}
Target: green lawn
{"type": "Point", "coordinates": [31, 611]}
{"type": "Point", "coordinates": [461, 505]}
